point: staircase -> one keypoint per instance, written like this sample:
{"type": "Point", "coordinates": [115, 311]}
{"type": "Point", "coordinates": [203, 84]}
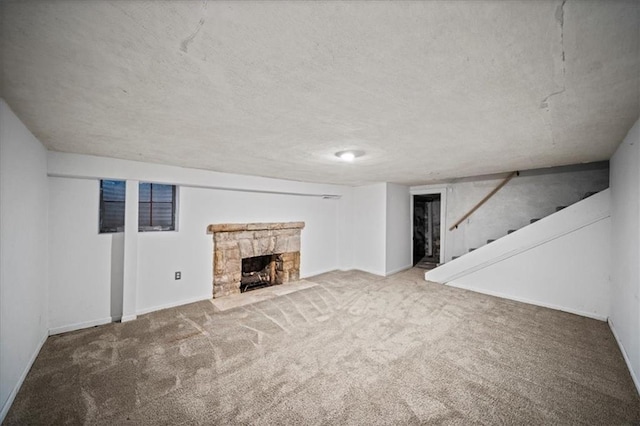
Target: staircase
{"type": "Point", "coordinates": [559, 261]}
{"type": "Point", "coordinates": [532, 221]}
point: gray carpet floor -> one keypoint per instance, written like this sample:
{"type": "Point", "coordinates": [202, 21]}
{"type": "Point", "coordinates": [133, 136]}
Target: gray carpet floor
{"type": "Point", "coordinates": [426, 263]}
{"type": "Point", "coordinates": [354, 349]}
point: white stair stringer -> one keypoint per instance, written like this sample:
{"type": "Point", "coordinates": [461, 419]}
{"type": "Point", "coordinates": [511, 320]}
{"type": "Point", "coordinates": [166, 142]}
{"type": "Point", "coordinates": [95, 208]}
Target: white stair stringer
{"type": "Point", "coordinates": [561, 261]}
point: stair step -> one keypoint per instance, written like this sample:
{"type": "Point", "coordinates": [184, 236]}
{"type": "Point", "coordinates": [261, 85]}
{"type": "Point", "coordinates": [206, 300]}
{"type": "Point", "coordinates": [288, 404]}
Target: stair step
{"type": "Point", "coordinates": [490, 241]}
{"type": "Point", "coordinates": [471, 249]}
{"type": "Point", "coordinates": [511, 230]}
{"type": "Point", "coordinates": [588, 194]}
{"type": "Point", "coordinates": [560, 208]}
{"type": "Point", "coordinates": [534, 220]}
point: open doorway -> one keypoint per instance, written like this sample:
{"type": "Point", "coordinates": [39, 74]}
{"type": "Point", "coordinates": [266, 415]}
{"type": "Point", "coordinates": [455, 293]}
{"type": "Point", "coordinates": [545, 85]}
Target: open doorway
{"type": "Point", "coordinates": [426, 230]}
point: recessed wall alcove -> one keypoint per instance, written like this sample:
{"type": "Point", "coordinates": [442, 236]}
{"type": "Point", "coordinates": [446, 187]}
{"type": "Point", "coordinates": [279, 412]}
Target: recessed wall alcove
{"type": "Point", "coordinates": [233, 242]}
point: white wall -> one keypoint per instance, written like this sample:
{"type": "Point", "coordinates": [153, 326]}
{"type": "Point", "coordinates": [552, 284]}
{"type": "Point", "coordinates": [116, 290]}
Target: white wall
{"type": "Point", "coordinates": [346, 233]}
{"type": "Point", "coordinates": [625, 249]}
{"type": "Point", "coordinates": [370, 208]}
{"type": "Point", "coordinates": [561, 261]}
{"type": "Point", "coordinates": [130, 270]}
{"type": "Point", "coordinates": [190, 249]}
{"type": "Point", "coordinates": [381, 228]}
{"type": "Point", "coordinates": [398, 231]}
{"type": "Point", "coordinates": [80, 259]}
{"type": "Point", "coordinates": [89, 265]}
{"type": "Point", "coordinates": [533, 194]}
{"type": "Point", "coordinates": [23, 253]}
{"type": "Point", "coordinates": [570, 273]}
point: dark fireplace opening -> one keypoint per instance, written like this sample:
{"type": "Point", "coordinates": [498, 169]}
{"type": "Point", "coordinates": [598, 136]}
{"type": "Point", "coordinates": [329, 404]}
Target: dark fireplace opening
{"type": "Point", "coordinates": [258, 272]}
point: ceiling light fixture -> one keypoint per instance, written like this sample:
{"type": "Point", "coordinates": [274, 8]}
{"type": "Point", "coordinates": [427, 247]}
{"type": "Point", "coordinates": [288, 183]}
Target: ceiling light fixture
{"type": "Point", "coordinates": [349, 155]}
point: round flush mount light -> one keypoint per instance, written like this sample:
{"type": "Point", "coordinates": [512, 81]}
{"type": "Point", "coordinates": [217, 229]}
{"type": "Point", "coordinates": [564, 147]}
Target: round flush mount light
{"type": "Point", "coordinates": [349, 155]}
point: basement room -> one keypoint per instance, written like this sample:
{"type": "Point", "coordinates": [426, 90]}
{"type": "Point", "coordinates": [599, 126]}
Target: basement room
{"type": "Point", "coordinates": [328, 212]}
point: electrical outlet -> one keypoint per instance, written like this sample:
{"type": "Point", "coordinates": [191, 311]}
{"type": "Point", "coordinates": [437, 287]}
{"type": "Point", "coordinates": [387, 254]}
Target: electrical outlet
{"type": "Point", "coordinates": [178, 275]}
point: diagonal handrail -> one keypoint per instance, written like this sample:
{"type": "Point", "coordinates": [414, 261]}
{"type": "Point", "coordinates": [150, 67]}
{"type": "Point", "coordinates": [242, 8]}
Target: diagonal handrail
{"type": "Point", "coordinates": [484, 200]}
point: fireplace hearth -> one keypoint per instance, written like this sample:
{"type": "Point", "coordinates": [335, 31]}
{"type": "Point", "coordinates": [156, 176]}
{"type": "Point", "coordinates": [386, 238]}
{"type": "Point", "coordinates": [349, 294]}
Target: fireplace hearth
{"type": "Point", "coordinates": [248, 256]}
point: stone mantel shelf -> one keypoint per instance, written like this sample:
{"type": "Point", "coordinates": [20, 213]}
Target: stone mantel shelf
{"type": "Point", "coordinates": [239, 227]}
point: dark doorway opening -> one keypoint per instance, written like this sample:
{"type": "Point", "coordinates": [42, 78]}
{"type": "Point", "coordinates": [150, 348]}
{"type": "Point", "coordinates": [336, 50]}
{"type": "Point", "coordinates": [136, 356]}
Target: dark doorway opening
{"type": "Point", "coordinates": [426, 230]}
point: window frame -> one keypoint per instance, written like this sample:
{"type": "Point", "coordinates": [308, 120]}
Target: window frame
{"type": "Point", "coordinates": [151, 227]}
{"type": "Point", "coordinates": [102, 209]}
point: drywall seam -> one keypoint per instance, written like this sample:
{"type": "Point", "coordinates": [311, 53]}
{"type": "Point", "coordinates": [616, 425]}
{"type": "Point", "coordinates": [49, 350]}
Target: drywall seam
{"type": "Point", "coordinates": [532, 302]}
{"type": "Point", "coordinates": [635, 379]}
{"type": "Point", "coordinates": [518, 251]}
{"type": "Point", "coordinates": [81, 325]}
{"type": "Point", "coordinates": [14, 392]}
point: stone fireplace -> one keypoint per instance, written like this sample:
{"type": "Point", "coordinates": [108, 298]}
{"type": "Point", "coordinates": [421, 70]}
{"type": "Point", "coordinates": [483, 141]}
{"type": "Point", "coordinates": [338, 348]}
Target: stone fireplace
{"type": "Point", "coordinates": [253, 255]}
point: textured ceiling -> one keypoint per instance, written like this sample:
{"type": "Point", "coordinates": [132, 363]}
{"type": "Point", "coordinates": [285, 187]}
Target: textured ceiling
{"type": "Point", "coordinates": [430, 91]}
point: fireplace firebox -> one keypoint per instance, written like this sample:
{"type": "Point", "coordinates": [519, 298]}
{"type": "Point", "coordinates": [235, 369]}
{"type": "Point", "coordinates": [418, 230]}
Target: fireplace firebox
{"type": "Point", "coordinates": [258, 272]}
{"type": "Point", "coordinates": [248, 256]}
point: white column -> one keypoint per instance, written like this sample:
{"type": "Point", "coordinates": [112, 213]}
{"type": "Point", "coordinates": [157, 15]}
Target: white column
{"type": "Point", "coordinates": [130, 281]}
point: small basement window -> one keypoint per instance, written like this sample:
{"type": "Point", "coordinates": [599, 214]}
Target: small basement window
{"type": "Point", "coordinates": [156, 207]}
{"type": "Point", "coordinates": [112, 194]}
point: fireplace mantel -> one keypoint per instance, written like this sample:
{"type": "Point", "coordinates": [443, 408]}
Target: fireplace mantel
{"type": "Point", "coordinates": [236, 241]}
{"type": "Point", "coordinates": [233, 227]}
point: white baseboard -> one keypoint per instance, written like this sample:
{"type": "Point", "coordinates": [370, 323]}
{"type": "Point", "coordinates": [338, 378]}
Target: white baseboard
{"type": "Point", "coordinates": [172, 305]}
{"type": "Point", "coordinates": [127, 318]}
{"type": "Point", "coordinates": [625, 356]}
{"type": "Point", "coordinates": [532, 302]}
{"type": "Point", "coordinates": [316, 273]}
{"type": "Point", "coordinates": [378, 273]}
{"type": "Point", "coordinates": [368, 271]}
{"type": "Point", "coordinates": [16, 388]}
{"type": "Point", "coordinates": [395, 271]}
{"type": "Point", "coordinates": [80, 325]}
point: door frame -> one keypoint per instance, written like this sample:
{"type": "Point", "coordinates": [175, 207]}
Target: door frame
{"type": "Point", "coordinates": [432, 190]}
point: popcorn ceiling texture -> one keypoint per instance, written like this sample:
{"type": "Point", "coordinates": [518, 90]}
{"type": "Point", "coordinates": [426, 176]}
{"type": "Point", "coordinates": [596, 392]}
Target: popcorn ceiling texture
{"type": "Point", "coordinates": [429, 90]}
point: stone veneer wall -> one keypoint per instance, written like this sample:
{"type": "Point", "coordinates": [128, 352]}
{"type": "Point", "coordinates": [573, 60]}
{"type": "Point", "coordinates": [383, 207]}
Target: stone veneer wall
{"type": "Point", "coordinates": [233, 242]}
